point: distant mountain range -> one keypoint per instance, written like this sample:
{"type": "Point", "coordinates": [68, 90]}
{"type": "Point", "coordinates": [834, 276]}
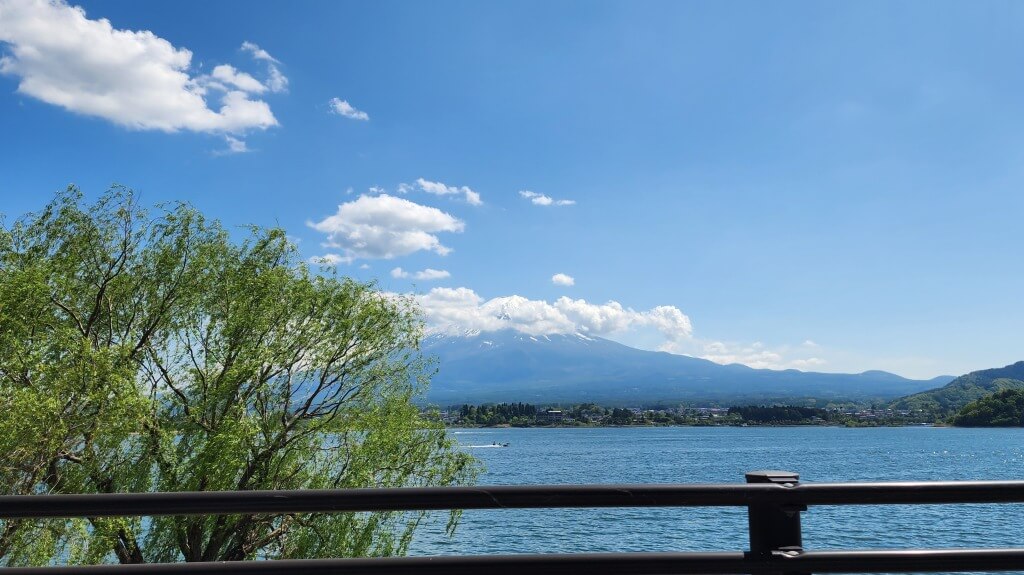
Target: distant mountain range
{"type": "Point", "coordinates": [950, 398]}
{"type": "Point", "coordinates": [508, 365]}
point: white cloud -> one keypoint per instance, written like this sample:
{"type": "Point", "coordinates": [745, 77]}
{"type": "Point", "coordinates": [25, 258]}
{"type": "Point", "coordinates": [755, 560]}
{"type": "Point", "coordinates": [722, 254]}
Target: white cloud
{"type": "Point", "coordinates": [439, 189]}
{"type": "Point", "coordinates": [599, 319]}
{"type": "Point", "coordinates": [810, 362]}
{"type": "Point", "coordinates": [455, 310]}
{"type": "Point", "coordinates": [563, 280]}
{"type": "Point", "coordinates": [277, 82]}
{"type": "Point", "coordinates": [428, 274]}
{"type": "Point", "coordinates": [669, 321]}
{"type": "Point", "coordinates": [473, 198]}
{"type": "Point", "coordinates": [756, 355]}
{"type": "Point", "coordinates": [385, 227]}
{"type": "Point", "coordinates": [343, 108]}
{"type": "Point", "coordinates": [235, 146]}
{"type": "Point", "coordinates": [258, 53]}
{"type": "Point", "coordinates": [431, 274]}
{"type": "Point", "coordinates": [326, 259]}
{"type": "Point", "coordinates": [543, 200]}
{"type": "Point", "coordinates": [240, 80]}
{"type": "Point", "coordinates": [132, 78]}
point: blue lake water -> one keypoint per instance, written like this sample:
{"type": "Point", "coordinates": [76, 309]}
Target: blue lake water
{"type": "Point", "coordinates": [723, 455]}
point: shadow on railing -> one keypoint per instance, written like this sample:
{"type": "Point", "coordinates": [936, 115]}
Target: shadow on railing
{"type": "Point", "coordinates": [774, 500]}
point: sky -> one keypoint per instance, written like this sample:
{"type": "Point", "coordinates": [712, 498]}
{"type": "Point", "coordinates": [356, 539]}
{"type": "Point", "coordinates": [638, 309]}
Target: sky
{"type": "Point", "coordinates": [814, 185]}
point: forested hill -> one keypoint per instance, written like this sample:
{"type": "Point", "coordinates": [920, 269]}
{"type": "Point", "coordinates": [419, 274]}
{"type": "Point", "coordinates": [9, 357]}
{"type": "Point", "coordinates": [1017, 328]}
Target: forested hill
{"type": "Point", "coordinates": [1001, 409]}
{"type": "Point", "coordinates": [947, 400]}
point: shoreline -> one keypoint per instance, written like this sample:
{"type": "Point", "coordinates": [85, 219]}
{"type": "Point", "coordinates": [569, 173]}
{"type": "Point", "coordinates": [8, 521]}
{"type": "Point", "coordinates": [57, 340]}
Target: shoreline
{"type": "Point", "coordinates": [600, 426]}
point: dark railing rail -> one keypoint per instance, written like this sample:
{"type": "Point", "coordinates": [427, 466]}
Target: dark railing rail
{"type": "Point", "coordinates": [508, 497]}
{"type": "Point", "coordinates": [774, 499]}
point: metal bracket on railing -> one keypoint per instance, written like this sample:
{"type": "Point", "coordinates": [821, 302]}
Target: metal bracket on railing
{"type": "Point", "coordinates": [775, 528]}
{"type": "Point", "coordinates": [788, 552]}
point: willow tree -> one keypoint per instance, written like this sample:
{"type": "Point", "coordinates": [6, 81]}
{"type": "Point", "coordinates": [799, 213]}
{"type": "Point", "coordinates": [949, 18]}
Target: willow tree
{"type": "Point", "coordinates": [147, 352]}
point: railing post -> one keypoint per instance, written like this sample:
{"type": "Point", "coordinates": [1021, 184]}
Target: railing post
{"type": "Point", "coordinates": [774, 527]}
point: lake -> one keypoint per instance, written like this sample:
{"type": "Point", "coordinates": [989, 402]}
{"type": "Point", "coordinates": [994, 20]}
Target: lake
{"type": "Point", "coordinates": [723, 455]}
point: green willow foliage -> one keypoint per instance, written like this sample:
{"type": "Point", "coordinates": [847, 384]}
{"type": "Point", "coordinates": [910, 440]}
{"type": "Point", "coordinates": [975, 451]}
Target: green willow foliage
{"type": "Point", "coordinates": [154, 353]}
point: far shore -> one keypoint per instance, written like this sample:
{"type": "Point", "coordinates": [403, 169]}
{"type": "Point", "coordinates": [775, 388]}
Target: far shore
{"type": "Point", "coordinates": [604, 426]}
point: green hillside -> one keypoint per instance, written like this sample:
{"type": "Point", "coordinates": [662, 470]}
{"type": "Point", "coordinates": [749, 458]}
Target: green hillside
{"type": "Point", "coordinates": [1001, 409]}
{"type": "Point", "coordinates": [952, 397]}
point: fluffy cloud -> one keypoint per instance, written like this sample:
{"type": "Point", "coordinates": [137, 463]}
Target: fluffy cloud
{"type": "Point", "coordinates": [669, 321]}
{"type": "Point", "coordinates": [385, 227]}
{"type": "Point", "coordinates": [563, 280]}
{"type": "Point", "coordinates": [428, 274]}
{"type": "Point", "coordinates": [455, 310]}
{"type": "Point", "coordinates": [439, 189]}
{"type": "Point", "coordinates": [543, 200]}
{"type": "Point", "coordinates": [132, 78]}
{"type": "Point", "coordinates": [343, 108]}
{"type": "Point", "coordinates": [229, 75]}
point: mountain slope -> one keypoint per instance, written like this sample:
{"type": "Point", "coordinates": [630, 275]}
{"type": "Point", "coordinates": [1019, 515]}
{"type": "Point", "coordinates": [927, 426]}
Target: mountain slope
{"type": "Point", "coordinates": [965, 389]}
{"type": "Point", "coordinates": [1001, 409]}
{"type": "Point", "coordinates": [511, 366]}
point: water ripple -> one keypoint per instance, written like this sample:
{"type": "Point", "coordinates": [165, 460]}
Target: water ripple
{"type": "Point", "coordinates": [722, 455]}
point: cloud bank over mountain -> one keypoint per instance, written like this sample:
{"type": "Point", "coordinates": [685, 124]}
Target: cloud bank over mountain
{"type": "Point", "coordinates": [456, 310]}
{"type": "Point", "coordinates": [461, 311]}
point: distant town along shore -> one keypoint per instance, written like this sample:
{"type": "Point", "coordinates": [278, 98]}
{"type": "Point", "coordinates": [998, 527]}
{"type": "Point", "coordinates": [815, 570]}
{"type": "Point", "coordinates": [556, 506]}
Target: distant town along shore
{"type": "Point", "coordinates": [594, 415]}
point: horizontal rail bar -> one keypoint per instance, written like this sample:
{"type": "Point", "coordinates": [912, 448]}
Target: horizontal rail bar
{"type": "Point", "coordinates": [919, 561]}
{"type": "Point", "coordinates": [496, 497]}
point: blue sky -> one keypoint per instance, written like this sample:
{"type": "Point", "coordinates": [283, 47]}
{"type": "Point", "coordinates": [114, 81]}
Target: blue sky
{"type": "Point", "coordinates": [828, 186]}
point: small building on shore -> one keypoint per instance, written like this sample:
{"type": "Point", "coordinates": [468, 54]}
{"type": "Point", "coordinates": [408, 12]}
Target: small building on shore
{"type": "Point", "coordinates": [550, 416]}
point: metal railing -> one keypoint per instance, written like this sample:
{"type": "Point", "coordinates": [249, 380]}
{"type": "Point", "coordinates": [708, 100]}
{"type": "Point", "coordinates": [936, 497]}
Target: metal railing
{"type": "Point", "coordinates": [774, 499]}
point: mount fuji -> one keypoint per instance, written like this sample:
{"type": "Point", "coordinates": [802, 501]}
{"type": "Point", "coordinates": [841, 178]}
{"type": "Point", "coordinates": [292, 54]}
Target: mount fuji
{"type": "Point", "coordinates": [508, 365]}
